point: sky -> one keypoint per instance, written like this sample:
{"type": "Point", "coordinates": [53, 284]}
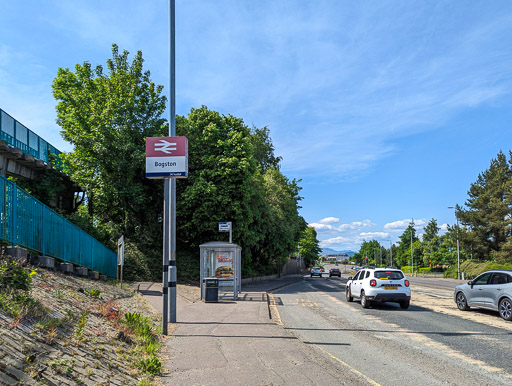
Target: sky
{"type": "Point", "coordinates": [386, 111]}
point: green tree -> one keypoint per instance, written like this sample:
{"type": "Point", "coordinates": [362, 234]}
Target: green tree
{"type": "Point", "coordinates": [430, 244]}
{"type": "Point", "coordinates": [488, 210]}
{"type": "Point", "coordinates": [233, 177]}
{"type": "Point", "coordinates": [309, 246]}
{"type": "Point", "coordinates": [403, 256]}
{"type": "Point", "coordinates": [106, 117]}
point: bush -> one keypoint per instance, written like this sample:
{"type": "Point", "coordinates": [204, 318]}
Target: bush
{"type": "Point", "coordinates": [136, 264]}
{"type": "Point", "coordinates": [13, 276]}
{"type": "Point", "coordinates": [473, 268]}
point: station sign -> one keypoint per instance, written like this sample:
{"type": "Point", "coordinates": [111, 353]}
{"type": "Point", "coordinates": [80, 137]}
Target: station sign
{"type": "Point", "coordinates": [224, 226]}
{"type": "Point", "coordinates": [166, 157]}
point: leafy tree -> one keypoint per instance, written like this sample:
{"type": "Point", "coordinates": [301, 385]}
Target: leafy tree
{"type": "Point", "coordinates": [234, 174]}
{"type": "Point", "coordinates": [233, 177]}
{"type": "Point", "coordinates": [430, 244]}
{"type": "Point", "coordinates": [106, 117]}
{"type": "Point", "coordinates": [263, 149]}
{"type": "Point", "coordinates": [309, 246]}
{"type": "Point", "coordinates": [489, 210]}
{"type": "Point", "coordinates": [403, 256]}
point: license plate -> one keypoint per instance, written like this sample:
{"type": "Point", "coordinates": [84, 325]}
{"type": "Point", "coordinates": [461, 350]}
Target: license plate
{"type": "Point", "coordinates": [390, 288]}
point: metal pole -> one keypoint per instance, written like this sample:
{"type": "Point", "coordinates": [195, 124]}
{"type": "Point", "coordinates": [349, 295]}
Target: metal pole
{"type": "Point", "coordinates": [458, 254]}
{"type": "Point", "coordinates": [412, 272]}
{"type": "Point", "coordinates": [172, 190]}
{"type": "Point", "coordinates": [230, 234]}
{"type": "Point", "coordinates": [165, 284]}
{"type": "Point", "coordinates": [391, 251]}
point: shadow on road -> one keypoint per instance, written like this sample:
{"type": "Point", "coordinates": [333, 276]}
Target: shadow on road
{"type": "Point", "coordinates": [463, 333]}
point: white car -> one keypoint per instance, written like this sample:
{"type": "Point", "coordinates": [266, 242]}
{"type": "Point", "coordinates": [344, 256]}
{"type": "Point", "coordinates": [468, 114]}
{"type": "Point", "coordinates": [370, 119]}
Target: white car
{"type": "Point", "coordinates": [379, 285]}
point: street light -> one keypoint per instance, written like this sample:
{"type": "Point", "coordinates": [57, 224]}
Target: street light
{"type": "Point", "coordinates": [458, 253]}
{"type": "Point", "coordinates": [412, 257]}
{"type": "Point", "coordinates": [391, 252]}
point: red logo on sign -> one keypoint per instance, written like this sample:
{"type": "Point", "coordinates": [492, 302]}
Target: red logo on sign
{"type": "Point", "coordinates": [166, 146]}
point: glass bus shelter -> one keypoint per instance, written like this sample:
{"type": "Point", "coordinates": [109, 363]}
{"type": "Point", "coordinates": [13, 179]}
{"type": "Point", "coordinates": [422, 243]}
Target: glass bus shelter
{"type": "Point", "coordinates": [221, 260]}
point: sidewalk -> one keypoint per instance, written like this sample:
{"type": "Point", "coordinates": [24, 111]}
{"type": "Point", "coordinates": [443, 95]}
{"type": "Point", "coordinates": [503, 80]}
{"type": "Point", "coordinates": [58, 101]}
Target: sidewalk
{"type": "Point", "coordinates": [236, 343]}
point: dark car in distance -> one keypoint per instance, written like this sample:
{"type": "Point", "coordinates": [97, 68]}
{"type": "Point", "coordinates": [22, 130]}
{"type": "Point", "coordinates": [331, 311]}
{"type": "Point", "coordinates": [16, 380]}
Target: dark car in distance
{"type": "Point", "coordinates": [334, 272]}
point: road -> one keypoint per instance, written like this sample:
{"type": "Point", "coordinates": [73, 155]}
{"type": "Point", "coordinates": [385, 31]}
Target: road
{"type": "Point", "coordinates": [431, 343]}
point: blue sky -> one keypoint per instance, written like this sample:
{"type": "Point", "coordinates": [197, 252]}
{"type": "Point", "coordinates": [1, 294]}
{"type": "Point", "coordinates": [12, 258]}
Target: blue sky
{"type": "Point", "coordinates": [387, 110]}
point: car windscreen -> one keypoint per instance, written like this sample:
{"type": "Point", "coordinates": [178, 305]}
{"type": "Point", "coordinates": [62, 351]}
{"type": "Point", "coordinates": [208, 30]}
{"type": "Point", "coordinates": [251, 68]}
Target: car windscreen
{"type": "Point", "coordinates": [389, 275]}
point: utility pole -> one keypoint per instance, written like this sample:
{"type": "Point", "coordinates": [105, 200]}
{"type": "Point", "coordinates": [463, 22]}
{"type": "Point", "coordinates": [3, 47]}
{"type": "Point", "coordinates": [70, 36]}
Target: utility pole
{"type": "Point", "coordinates": [458, 252]}
{"type": "Point", "coordinates": [412, 266]}
{"type": "Point", "coordinates": [172, 181]}
{"type": "Point", "coordinates": [391, 251]}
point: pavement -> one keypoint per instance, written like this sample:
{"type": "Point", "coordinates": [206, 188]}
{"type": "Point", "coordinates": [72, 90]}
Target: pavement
{"type": "Point", "coordinates": [237, 343]}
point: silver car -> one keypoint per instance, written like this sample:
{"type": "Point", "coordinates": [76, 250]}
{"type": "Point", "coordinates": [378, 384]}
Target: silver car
{"type": "Point", "coordinates": [491, 290]}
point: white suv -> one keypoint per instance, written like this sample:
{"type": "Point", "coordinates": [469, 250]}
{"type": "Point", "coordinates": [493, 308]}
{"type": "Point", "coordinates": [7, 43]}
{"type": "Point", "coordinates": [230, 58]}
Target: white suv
{"type": "Point", "coordinates": [379, 285]}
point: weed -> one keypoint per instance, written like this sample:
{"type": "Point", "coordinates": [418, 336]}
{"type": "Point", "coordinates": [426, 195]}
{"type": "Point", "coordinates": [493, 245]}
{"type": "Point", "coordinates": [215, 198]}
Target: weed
{"type": "Point", "coordinates": [151, 365]}
{"type": "Point", "coordinates": [79, 332]}
{"type": "Point", "coordinates": [61, 366]}
{"type": "Point", "coordinates": [59, 294]}
{"type": "Point", "coordinates": [48, 323]}
{"type": "Point", "coordinates": [14, 276]}
{"type": "Point", "coordinates": [94, 293]}
{"type": "Point", "coordinates": [52, 336]}
{"type": "Point", "coordinates": [142, 326]}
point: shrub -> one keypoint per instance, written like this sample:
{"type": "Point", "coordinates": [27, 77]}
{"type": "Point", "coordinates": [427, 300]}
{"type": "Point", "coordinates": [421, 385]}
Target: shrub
{"type": "Point", "coordinates": [151, 365]}
{"type": "Point", "coordinates": [13, 276]}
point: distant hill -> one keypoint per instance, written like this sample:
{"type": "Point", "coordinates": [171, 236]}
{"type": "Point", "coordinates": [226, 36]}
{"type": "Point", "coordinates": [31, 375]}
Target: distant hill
{"type": "Point", "coordinates": [330, 251]}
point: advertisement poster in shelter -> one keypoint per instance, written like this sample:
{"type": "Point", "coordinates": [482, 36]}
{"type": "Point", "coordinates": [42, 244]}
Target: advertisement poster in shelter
{"type": "Point", "coordinates": [224, 265]}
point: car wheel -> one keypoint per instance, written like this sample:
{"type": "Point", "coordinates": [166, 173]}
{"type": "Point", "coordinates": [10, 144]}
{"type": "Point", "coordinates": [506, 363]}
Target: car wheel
{"type": "Point", "coordinates": [405, 304]}
{"type": "Point", "coordinates": [365, 303]}
{"type": "Point", "coordinates": [348, 296]}
{"type": "Point", "coordinates": [505, 308]}
{"type": "Point", "coordinates": [462, 303]}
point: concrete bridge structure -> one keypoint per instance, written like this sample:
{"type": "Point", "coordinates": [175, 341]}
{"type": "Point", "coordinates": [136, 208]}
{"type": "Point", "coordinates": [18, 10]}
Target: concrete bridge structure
{"type": "Point", "coordinates": [25, 155]}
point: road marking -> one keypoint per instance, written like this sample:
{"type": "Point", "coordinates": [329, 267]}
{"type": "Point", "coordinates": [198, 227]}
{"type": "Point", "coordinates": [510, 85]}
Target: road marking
{"type": "Point", "coordinates": [432, 343]}
{"type": "Point", "coordinates": [273, 309]}
{"type": "Point", "coordinates": [352, 369]}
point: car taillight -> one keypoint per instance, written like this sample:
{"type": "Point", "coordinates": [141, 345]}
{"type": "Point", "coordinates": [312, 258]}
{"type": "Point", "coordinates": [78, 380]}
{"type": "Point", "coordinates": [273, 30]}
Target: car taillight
{"type": "Point", "coordinates": [373, 282]}
{"type": "Point", "coordinates": [406, 283]}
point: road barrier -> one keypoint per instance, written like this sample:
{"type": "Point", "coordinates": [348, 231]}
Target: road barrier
{"type": "Point", "coordinates": [27, 222]}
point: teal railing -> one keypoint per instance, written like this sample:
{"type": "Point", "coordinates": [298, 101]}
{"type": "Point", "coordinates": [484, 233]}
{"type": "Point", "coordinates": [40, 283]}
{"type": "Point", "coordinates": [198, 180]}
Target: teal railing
{"type": "Point", "coordinates": [27, 222]}
{"type": "Point", "coordinates": [17, 135]}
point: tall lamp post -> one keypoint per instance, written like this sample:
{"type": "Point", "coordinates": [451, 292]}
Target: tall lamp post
{"type": "Point", "coordinates": [458, 252]}
{"type": "Point", "coordinates": [412, 258]}
{"type": "Point", "coordinates": [391, 252]}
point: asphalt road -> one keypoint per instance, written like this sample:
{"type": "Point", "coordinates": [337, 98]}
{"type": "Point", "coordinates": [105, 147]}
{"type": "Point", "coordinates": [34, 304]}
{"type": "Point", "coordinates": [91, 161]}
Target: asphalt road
{"type": "Point", "coordinates": [431, 343]}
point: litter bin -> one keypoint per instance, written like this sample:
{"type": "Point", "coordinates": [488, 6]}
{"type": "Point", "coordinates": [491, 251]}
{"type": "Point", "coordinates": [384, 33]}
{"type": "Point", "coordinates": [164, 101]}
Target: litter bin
{"type": "Point", "coordinates": [211, 290]}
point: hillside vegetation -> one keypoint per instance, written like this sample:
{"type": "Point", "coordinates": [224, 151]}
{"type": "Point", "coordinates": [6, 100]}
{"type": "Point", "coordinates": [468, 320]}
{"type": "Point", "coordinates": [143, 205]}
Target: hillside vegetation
{"type": "Point", "coordinates": [59, 329]}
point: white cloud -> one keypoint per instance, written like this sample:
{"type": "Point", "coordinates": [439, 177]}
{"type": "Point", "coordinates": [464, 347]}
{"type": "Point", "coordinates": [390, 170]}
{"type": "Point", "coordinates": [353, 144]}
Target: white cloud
{"type": "Point", "coordinates": [324, 225]}
{"type": "Point", "coordinates": [340, 240]}
{"type": "Point", "coordinates": [329, 220]}
{"type": "Point", "coordinates": [321, 227]}
{"type": "Point", "coordinates": [374, 235]}
{"type": "Point", "coordinates": [400, 225]}
{"type": "Point", "coordinates": [356, 225]}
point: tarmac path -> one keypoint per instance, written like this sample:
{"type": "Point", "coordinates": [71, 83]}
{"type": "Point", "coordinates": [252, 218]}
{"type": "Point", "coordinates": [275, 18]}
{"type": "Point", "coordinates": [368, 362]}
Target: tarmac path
{"type": "Point", "coordinates": [431, 343]}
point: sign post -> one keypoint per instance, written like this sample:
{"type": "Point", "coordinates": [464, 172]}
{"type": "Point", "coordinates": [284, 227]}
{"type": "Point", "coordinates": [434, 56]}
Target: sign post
{"type": "Point", "coordinates": [167, 158]}
{"type": "Point", "coordinates": [120, 257]}
{"type": "Point", "coordinates": [226, 227]}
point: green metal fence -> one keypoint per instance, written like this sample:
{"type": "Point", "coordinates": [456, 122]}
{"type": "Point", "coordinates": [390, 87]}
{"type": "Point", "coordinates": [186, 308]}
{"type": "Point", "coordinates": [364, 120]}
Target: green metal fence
{"type": "Point", "coordinates": [17, 135]}
{"type": "Point", "coordinates": [27, 222]}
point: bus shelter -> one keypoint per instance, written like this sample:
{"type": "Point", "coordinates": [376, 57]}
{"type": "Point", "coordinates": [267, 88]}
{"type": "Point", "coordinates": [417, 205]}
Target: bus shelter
{"type": "Point", "coordinates": [221, 260]}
